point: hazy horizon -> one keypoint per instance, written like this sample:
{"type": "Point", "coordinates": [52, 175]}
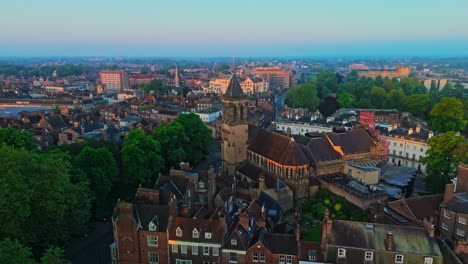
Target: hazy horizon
{"type": "Point", "coordinates": [211, 28]}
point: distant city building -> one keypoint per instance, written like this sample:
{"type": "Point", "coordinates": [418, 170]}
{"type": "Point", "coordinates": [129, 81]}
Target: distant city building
{"type": "Point", "coordinates": [249, 85]}
{"type": "Point", "coordinates": [54, 89]}
{"type": "Point", "coordinates": [114, 80]}
{"type": "Point", "coordinates": [277, 77]}
{"type": "Point", "coordinates": [398, 71]}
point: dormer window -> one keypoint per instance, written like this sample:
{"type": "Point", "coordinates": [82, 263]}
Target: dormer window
{"type": "Point", "coordinates": [195, 233]}
{"type": "Point", "coordinates": [428, 260]}
{"type": "Point", "coordinates": [341, 252]}
{"type": "Point", "coordinates": [208, 235]}
{"type": "Point", "coordinates": [152, 227]}
{"type": "Point", "coordinates": [233, 241]}
{"type": "Point", "coordinates": [179, 232]}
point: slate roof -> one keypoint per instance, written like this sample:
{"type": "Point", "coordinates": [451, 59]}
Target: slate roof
{"type": "Point", "coordinates": [321, 150]}
{"type": "Point", "coordinates": [215, 227]}
{"type": "Point", "coordinates": [176, 185]}
{"type": "Point", "coordinates": [407, 240]}
{"type": "Point", "coordinates": [253, 172]}
{"type": "Point", "coordinates": [424, 206]}
{"type": "Point", "coordinates": [237, 232]}
{"type": "Point", "coordinates": [276, 147]}
{"type": "Point", "coordinates": [159, 214]}
{"type": "Point", "coordinates": [56, 122]}
{"type": "Point", "coordinates": [234, 88]}
{"type": "Point", "coordinates": [353, 141]}
{"type": "Point", "coordinates": [284, 244]}
{"type": "Point", "coordinates": [459, 203]}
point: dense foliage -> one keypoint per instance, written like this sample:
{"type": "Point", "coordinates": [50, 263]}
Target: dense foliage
{"type": "Point", "coordinates": [313, 211]}
{"type": "Point", "coordinates": [39, 204]}
{"type": "Point", "coordinates": [47, 198]}
{"type": "Point", "coordinates": [404, 94]}
{"type": "Point", "coordinates": [446, 152]}
{"type": "Point", "coordinates": [13, 252]}
{"type": "Point", "coordinates": [448, 115]}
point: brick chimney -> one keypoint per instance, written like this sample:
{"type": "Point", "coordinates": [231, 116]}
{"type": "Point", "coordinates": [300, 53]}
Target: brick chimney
{"type": "Point", "coordinates": [418, 128]}
{"type": "Point", "coordinates": [125, 210]}
{"type": "Point", "coordinates": [211, 187]}
{"type": "Point", "coordinates": [429, 227]}
{"type": "Point", "coordinates": [449, 191]}
{"type": "Point", "coordinates": [298, 232]}
{"type": "Point", "coordinates": [389, 241]}
{"type": "Point", "coordinates": [149, 194]}
{"type": "Point", "coordinates": [183, 211]}
{"type": "Point", "coordinates": [462, 178]}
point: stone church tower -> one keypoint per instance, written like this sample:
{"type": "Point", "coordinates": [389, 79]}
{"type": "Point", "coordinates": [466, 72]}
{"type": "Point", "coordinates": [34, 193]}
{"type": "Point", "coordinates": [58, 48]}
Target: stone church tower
{"type": "Point", "coordinates": [234, 129]}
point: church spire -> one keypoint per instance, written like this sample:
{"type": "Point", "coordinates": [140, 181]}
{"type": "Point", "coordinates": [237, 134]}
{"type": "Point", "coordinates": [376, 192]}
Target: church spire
{"type": "Point", "coordinates": [234, 88]}
{"type": "Point", "coordinates": [176, 77]}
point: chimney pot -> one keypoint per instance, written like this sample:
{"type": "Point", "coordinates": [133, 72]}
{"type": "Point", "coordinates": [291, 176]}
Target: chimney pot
{"type": "Point", "coordinates": [449, 192]}
{"type": "Point", "coordinates": [389, 241]}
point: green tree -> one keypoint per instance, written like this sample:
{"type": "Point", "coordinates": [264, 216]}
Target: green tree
{"type": "Point", "coordinates": [141, 158]}
{"type": "Point", "coordinates": [388, 85]}
{"type": "Point", "coordinates": [329, 106]}
{"type": "Point", "coordinates": [220, 67]}
{"type": "Point", "coordinates": [448, 115]}
{"type": "Point", "coordinates": [326, 82]}
{"type": "Point", "coordinates": [418, 105]}
{"type": "Point", "coordinates": [303, 96]}
{"type": "Point", "coordinates": [53, 255]}
{"type": "Point", "coordinates": [158, 86]}
{"type": "Point", "coordinates": [37, 198]}
{"type": "Point", "coordinates": [447, 90]}
{"type": "Point", "coordinates": [199, 137]}
{"type": "Point", "coordinates": [345, 99]}
{"type": "Point", "coordinates": [17, 138]}
{"type": "Point", "coordinates": [459, 90]}
{"type": "Point", "coordinates": [173, 144]}
{"type": "Point", "coordinates": [352, 76]}
{"type": "Point", "coordinates": [378, 96]}
{"type": "Point", "coordinates": [395, 99]}
{"type": "Point", "coordinates": [100, 169]}
{"type": "Point", "coordinates": [442, 159]}
{"type": "Point", "coordinates": [13, 252]}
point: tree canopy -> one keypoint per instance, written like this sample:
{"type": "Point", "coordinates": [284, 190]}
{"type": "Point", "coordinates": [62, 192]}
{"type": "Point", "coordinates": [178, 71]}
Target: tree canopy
{"type": "Point", "coordinates": [39, 205]}
{"type": "Point", "coordinates": [173, 141]}
{"type": "Point", "coordinates": [199, 136]}
{"type": "Point", "coordinates": [442, 158]}
{"type": "Point", "coordinates": [141, 158]}
{"type": "Point", "coordinates": [303, 96]}
{"type": "Point", "coordinates": [448, 115]}
{"type": "Point", "coordinates": [17, 138]}
{"type": "Point", "coordinates": [99, 170]}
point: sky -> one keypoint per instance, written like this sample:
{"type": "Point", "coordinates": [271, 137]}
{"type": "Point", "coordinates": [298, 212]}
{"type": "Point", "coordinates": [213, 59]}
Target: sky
{"type": "Point", "coordinates": [233, 28]}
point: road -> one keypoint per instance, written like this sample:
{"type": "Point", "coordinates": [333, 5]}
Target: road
{"type": "Point", "coordinates": [279, 105]}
